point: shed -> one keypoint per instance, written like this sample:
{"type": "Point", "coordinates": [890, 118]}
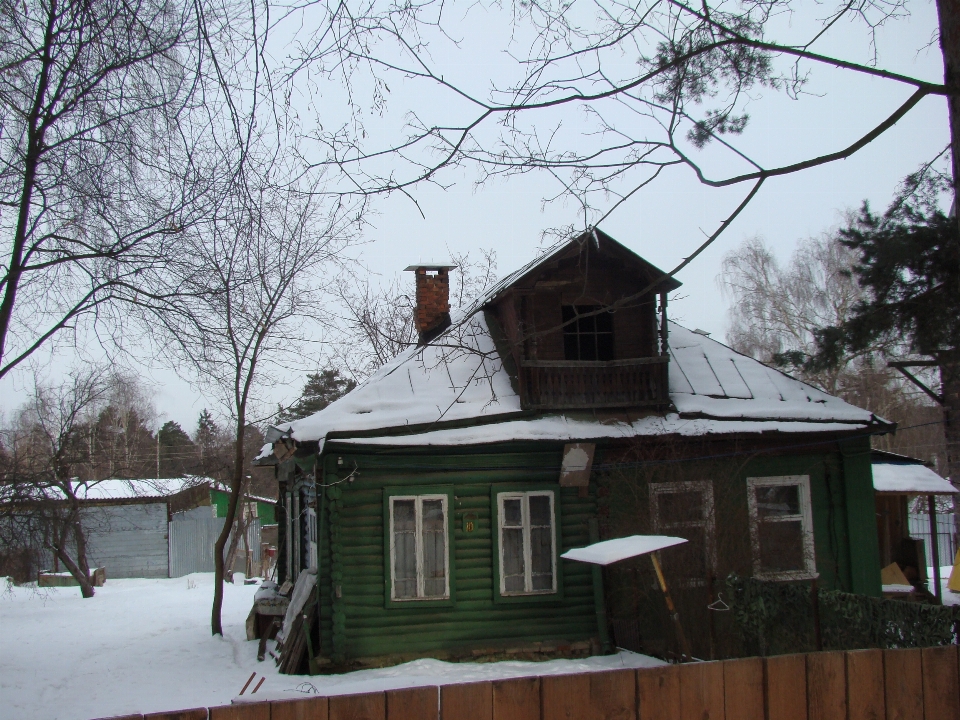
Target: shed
{"type": "Point", "coordinates": [897, 479]}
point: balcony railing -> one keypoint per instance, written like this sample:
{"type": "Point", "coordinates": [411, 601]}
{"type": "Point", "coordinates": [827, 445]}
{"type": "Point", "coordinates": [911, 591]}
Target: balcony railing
{"type": "Point", "coordinates": [640, 382]}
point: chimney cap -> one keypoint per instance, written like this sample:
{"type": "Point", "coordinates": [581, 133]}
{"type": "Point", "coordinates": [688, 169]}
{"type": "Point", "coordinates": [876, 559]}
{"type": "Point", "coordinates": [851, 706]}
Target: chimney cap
{"type": "Point", "coordinates": [427, 266]}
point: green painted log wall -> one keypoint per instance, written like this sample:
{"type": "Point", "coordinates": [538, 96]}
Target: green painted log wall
{"type": "Point", "coordinates": [356, 624]}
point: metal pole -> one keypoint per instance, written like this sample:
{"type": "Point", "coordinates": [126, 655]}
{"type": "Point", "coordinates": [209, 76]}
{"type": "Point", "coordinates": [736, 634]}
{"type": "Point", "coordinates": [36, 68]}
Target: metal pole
{"type": "Point", "coordinates": [934, 550]}
{"type": "Point", "coordinates": [684, 647]}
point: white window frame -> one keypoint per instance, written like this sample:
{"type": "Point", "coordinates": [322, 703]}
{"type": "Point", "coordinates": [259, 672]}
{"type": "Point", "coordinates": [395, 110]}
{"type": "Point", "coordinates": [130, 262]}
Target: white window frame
{"type": "Point", "coordinates": [527, 550]}
{"type": "Point", "coordinates": [805, 517]}
{"type": "Point", "coordinates": [418, 535]}
{"type": "Point", "coordinates": [705, 488]}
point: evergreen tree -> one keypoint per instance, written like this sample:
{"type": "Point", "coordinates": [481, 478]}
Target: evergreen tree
{"type": "Point", "coordinates": [178, 454]}
{"type": "Point", "coordinates": [321, 389]}
{"type": "Point", "coordinates": [909, 263]}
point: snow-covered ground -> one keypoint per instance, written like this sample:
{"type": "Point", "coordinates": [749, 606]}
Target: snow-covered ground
{"type": "Point", "coordinates": [949, 598]}
{"type": "Point", "coordinates": [145, 646]}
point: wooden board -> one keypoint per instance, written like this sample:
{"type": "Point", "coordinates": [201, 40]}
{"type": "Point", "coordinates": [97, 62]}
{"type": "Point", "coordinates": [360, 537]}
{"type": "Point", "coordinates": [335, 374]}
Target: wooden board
{"type": "Point", "coordinates": [567, 697]}
{"type": "Point", "coordinates": [614, 694]}
{"type": "Point", "coordinates": [517, 699]}
{"type": "Point", "coordinates": [941, 694]}
{"type": "Point", "coordinates": [470, 701]}
{"type": "Point", "coordinates": [786, 687]}
{"type": "Point", "coordinates": [826, 686]}
{"type": "Point", "coordinates": [252, 711]}
{"type": "Point", "coordinates": [420, 703]}
{"type": "Point", "coordinates": [191, 714]}
{"type": "Point", "coordinates": [369, 706]}
{"type": "Point", "coordinates": [904, 680]}
{"type": "Point", "coordinates": [309, 709]}
{"type": "Point", "coordinates": [658, 693]}
{"type": "Point", "coordinates": [865, 697]}
{"type": "Point", "coordinates": [701, 691]}
{"type": "Point", "coordinates": [743, 689]}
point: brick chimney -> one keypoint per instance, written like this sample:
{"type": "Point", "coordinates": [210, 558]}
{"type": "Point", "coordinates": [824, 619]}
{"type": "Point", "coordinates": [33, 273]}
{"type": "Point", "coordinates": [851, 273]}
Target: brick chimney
{"type": "Point", "coordinates": [433, 299]}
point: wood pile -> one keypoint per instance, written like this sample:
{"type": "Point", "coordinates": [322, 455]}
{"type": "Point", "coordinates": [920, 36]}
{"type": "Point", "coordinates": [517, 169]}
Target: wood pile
{"type": "Point", "coordinates": [293, 650]}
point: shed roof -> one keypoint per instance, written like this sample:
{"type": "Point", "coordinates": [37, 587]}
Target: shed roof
{"type": "Point", "coordinates": [904, 475]}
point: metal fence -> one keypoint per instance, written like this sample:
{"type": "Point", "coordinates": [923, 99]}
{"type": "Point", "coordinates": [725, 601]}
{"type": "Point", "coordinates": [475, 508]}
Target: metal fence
{"type": "Point", "coordinates": [191, 541]}
{"type": "Point", "coordinates": [919, 526]}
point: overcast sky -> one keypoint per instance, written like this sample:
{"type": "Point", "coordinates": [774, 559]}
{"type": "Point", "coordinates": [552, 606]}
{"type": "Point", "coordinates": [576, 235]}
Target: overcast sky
{"type": "Point", "coordinates": [662, 223]}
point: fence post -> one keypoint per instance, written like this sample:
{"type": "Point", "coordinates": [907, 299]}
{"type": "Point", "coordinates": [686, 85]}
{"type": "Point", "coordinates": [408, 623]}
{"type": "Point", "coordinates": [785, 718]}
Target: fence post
{"type": "Point", "coordinates": [935, 548]}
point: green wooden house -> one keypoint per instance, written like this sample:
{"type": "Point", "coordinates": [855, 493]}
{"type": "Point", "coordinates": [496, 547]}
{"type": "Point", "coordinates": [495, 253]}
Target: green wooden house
{"type": "Point", "coordinates": [434, 500]}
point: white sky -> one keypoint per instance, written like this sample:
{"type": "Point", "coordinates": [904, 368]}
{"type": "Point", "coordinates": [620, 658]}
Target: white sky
{"type": "Point", "coordinates": [664, 222]}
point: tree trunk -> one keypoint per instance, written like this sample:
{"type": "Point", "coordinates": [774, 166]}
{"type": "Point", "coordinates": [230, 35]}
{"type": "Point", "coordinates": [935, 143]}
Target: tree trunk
{"type": "Point", "coordinates": [950, 388]}
{"type": "Point", "coordinates": [948, 12]}
{"type": "Point", "coordinates": [216, 621]}
{"type": "Point", "coordinates": [239, 531]}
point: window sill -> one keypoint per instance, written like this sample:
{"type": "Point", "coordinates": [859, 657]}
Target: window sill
{"type": "Point", "coordinates": [392, 604]}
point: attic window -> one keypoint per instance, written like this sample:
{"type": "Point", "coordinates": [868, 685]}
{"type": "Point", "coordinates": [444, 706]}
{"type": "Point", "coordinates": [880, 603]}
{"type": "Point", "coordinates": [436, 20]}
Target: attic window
{"type": "Point", "coordinates": [587, 336]}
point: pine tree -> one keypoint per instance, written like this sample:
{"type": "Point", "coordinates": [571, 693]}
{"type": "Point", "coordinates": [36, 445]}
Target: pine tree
{"type": "Point", "coordinates": [321, 389]}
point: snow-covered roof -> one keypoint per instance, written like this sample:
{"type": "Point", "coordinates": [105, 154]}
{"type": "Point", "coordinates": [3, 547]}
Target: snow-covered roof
{"type": "Point", "coordinates": [428, 394]}
{"type": "Point", "coordinates": [122, 489]}
{"type": "Point", "coordinates": [908, 478]}
{"type": "Point", "coordinates": [424, 393]}
{"type": "Point", "coordinates": [606, 552]}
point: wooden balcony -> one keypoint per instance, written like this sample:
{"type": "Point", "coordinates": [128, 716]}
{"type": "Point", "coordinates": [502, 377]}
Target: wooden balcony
{"type": "Point", "coordinates": [556, 385]}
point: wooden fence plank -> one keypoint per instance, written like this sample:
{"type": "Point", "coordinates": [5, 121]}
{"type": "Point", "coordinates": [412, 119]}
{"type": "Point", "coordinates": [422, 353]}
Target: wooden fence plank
{"type": "Point", "coordinates": [743, 689]}
{"type": "Point", "coordinates": [369, 706]}
{"type": "Point", "coordinates": [246, 711]}
{"type": "Point", "coordinates": [786, 694]}
{"type": "Point", "coordinates": [470, 701]}
{"type": "Point", "coordinates": [658, 693]}
{"type": "Point", "coordinates": [419, 703]}
{"type": "Point", "coordinates": [517, 699]}
{"type": "Point", "coordinates": [614, 694]}
{"type": "Point", "coordinates": [191, 714]}
{"type": "Point", "coordinates": [308, 709]}
{"type": "Point", "coordinates": [903, 677]}
{"type": "Point", "coordinates": [567, 697]}
{"type": "Point", "coordinates": [826, 686]}
{"type": "Point", "coordinates": [701, 691]}
{"type": "Point", "coordinates": [941, 686]}
{"type": "Point", "coordinates": [865, 695]}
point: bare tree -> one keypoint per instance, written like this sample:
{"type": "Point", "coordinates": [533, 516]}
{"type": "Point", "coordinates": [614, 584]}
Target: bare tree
{"type": "Point", "coordinates": [377, 323]}
{"type": "Point", "coordinates": [252, 286]}
{"type": "Point", "coordinates": [44, 478]}
{"type": "Point", "coordinates": [107, 154]}
{"type": "Point", "coordinates": [775, 314]}
{"type": "Point", "coordinates": [657, 81]}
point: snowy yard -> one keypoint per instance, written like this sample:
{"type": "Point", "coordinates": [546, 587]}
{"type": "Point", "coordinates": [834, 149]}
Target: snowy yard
{"type": "Point", "coordinates": [145, 646]}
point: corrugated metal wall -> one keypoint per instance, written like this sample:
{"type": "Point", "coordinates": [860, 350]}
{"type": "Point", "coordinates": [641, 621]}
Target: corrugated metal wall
{"type": "Point", "coordinates": [192, 537]}
{"type": "Point", "coordinates": [128, 540]}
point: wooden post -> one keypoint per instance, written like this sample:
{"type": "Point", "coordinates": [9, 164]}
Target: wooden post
{"type": "Point", "coordinates": [684, 647]}
{"type": "Point", "coordinates": [599, 601]}
{"type": "Point", "coordinates": [934, 550]}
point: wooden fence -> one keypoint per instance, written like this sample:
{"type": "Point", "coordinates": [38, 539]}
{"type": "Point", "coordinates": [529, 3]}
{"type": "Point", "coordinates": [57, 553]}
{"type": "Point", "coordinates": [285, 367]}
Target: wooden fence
{"type": "Point", "coordinates": [910, 684]}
